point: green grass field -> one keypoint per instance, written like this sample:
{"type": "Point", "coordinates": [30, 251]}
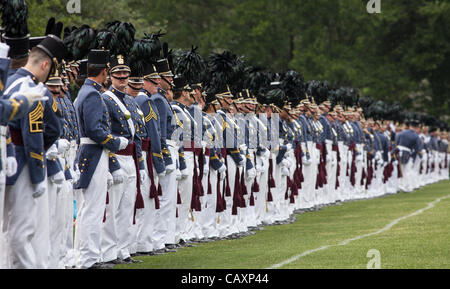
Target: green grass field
{"type": "Point", "coordinates": [420, 241]}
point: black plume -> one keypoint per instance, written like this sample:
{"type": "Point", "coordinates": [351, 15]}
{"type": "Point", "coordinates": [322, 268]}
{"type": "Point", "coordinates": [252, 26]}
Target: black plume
{"type": "Point", "coordinates": [50, 26]}
{"type": "Point", "coordinates": [67, 31]}
{"type": "Point", "coordinates": [293, 84]}
{"type": "Point", "coordinates": [79, 42]}
{"type": "Point", "coordinates": [319, 90]}
{"type": "Point", "coordinates": [224, 69]}
{"type": "Point", "coordinates": [275, 96]}
{"type": "Point", "coordinates": [154, 46]}
{"type": "Point", "coordinates": [124, 32]}
{"type": "Point", "coordinates": [350, 97]}
{"type": "Point", "coordinates": [14, 18]}
{"type": "Point", "coordinates": [138, 54]}
{"type": "Point", "coordinates": [106, 40]}
{"type": "Point", "coordinates": [257, 80]}
{"type": "Point", "coordinates": [58, 29]}
{"type": "Point", "coordinates": [54, 27]}
{"type": "Point", "coordinates": [191, 65]}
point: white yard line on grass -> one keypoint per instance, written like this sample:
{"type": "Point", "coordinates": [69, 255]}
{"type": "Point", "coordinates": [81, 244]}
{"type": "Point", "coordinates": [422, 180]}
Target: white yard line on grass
{"type": "Point", "coordinates": [345, 242]}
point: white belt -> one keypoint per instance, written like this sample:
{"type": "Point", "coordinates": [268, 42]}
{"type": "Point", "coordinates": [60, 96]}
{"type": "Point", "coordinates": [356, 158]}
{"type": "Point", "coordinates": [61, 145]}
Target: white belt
{"type": "Point", "coordinates": [86, 140]}
{"type": "Point", "coordinates": [402, 148]}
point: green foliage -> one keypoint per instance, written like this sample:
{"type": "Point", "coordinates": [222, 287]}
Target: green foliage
{"type": "Point", "coordinates": [402, 54]}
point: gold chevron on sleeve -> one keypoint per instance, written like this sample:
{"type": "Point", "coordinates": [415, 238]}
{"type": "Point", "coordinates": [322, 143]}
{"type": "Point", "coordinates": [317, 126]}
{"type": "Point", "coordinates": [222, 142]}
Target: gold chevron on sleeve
{"type": "Point", "coordinates": [158, 155]}
{"type": "Point", "coordinates": [54, 105]}
{"type": "Point", "coordinates": [15, 106]}
{"type": "Point", "coordinates": [36, 118]}
{"type": "Point", "coordinates": [151, 114]}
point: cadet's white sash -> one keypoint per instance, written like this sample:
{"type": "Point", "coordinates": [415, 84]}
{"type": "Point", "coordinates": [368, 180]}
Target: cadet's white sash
{"type": "Point", "coordinates": [124, 110]}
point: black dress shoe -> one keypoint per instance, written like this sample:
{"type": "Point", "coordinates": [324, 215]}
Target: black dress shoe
{"type": "Point", "coordinates": [101, 266]}
{"type": "Point", "coordinates": [185, 244]}
{"type": "Point", "coordinates": [114, 262]}
{"type": "Point", "coordinates": [167, 250]}
{"type": "Point", "coordinates": [205, 240]}
{"type": "Point", "coordinates": [137, 254]}
{"type": "Point", "coordinates": [172, 246]}
{"type": "Point", "coordinates": [156, 253]}
{"type": "Point", "coordinates": [130, 260]}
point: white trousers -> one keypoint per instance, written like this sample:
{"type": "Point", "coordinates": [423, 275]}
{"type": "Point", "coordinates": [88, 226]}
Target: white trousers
{"type": "Point", "coordinates": [261, 196]}
{"type": "Point", "coordinates": [117, 228]}
{"type": "Point", "coordinates": [146, 217]}
{"type": "Point", "coordinates": [56, 223]}
{"type": "Point", "coordinates": [166, 216]}
{"type": "Point", "coordinates": [22, 219]}
{"type": "Point", "coordinates": [208, 222]}
{"type": "Point", "coordinates": [91, 205]}
{"type": "Point", "coordinates": [228, 222]}
{"type": "Point", "coordinates": [185, 220]}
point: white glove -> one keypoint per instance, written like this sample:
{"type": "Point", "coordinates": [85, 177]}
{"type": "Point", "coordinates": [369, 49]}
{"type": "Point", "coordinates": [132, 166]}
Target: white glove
{"type": "Point", "coordinates": [32, 94]}
{"type": "Point", "coordinates": [123, 143]}
{"type": "Point", "coordinates": [289, 147]}
{"type": "Point", "coordinates": [77, 172]}
{"type": "Point", "coordinates": [241, 163]}
{"type": "Point", "coordinates": [286, 163]}
{"type": "Point", "coordinates": [251, 174]}
{"type": "Point", "coordinates": [110, 180]}
{"type": "Point", "coordinates": [284, 171]}
{"type": "Point", "coordinates": [170, 169]}
{"type": "Point", "coordinates": [306, 161]}
{"type": "Point", "coordinates": [178, 175]}
{"type": "Point", "coordinates": [58, 178]}
{"type": "Point", "coordinates": [4, 49]}
{"type": "Point", "coordinates": [377, 156]}
{"type": "Point", "coordinates": [52, 152]}
{"type": "Point", "coordinates": [161, 174]}
{"type": "Point", "coordinates": [118, 176]}
{"type": "Point", "coordinates": [184, 173]}
{"type": "Point", "coordinates": [222, 169]}
{"type": "Point", "coordinates": [11, 166]}
{"type": "Point", "coordinates": [63, 146]}
{"type": "Point", "coordinates": [260, 168]}
{"type": "Point", "coordinates": [359, 158]}
{"type": "Point", "coordinates": [266, 154]}
{"type": "Point", "coordinates": [143, 175]}
{"type": "Point", "coordinates": [39, 189]}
